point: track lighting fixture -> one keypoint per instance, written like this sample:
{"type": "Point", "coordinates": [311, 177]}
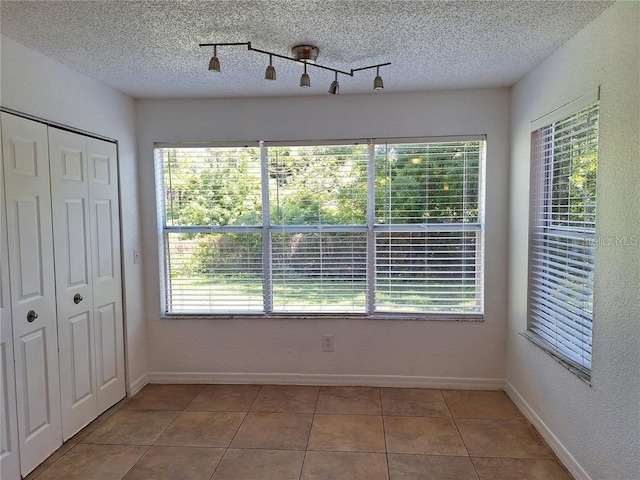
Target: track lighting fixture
{"type": "Point", "coordinates": [305, 81]}
{"type": "Point", "coordinates": [306, 54]}
{"type": "Point", "coordinates": [270, 74]}
{"type": "Point", "coordinates": [334, 89]}
{"type": "Point", "coordinates": [214, 63]}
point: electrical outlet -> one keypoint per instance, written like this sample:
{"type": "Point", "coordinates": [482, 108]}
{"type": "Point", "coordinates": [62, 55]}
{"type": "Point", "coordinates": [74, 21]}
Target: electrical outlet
{"type": "Point", "coordinates": [327, 343]}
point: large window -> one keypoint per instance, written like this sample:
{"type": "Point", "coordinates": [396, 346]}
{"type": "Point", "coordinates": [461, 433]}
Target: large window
{"type": "Point", "coordinates": [562, 236]}
{"type": "Point", "coordinates": [367, 228]}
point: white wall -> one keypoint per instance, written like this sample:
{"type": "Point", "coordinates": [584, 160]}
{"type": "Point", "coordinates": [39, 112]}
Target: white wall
{"type": "Point", "coordinates": [367, 351]}
{"type": "Point", "coordinates": [595, 429]}
{"type": "Point", "coordinates": [36, 85]}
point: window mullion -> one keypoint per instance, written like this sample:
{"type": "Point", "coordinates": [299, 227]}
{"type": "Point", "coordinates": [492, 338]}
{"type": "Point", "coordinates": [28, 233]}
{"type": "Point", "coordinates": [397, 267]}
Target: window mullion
{"type": "Point", "coordinates": [371, 239]}
{"type": "Point", "coordinates": [266, 232]}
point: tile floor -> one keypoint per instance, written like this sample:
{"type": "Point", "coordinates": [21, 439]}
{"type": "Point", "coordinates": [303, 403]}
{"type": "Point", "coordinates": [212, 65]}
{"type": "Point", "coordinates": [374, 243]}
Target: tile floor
{"type": "Point", "coordinates": [250, 432]}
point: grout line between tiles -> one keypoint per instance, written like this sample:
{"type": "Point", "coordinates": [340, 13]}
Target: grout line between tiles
{"type": "Point", "coordinates": [384, 434]}
{"type": "Point", "coordinates": [313, 418]}
{"type": "Point", "coordinates": [136, 462]}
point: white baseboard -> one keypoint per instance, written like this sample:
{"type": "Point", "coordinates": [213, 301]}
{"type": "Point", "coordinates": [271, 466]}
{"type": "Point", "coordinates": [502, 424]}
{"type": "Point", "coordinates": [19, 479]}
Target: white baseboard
{"type": "Point", "coordinates": [327, 379]}
{"type": "Point", "coordinates": [138, 384]}
{"type": "Point", "coordinates": [556, 445]}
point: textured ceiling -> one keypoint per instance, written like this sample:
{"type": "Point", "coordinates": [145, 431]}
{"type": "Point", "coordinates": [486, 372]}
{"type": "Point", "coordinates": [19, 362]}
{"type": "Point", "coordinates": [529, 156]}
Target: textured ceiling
{"type": "Point", "coordinates": [149, 49]}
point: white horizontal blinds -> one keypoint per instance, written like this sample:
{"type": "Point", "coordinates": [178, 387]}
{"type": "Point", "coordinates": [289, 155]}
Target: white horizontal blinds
{"type": "Point", "coordinates": [420, 272]}
{"type": "Point", "coordinates": [428, 231]}
{"type": "Point", "coordinates": [428, 183]}
{"type": "Point", "coordinates": [214, 272]}
{"type": "Point", "coordinates": [318, 198]}
{"type": "Point", "coordinates": [212, 217]}
{"type": "Point", "coordinates": [562, 243]}
{"type": "Point", "coordinates": [319, 272]}
{"type": "Point", "coordinates": [335, 228]}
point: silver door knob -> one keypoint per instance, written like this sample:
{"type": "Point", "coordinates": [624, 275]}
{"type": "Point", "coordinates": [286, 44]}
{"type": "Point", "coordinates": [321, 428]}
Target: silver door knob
{"type": "Point", "coordinates": [31, 316]}
{"type": "Point", "coordinates": [77, 298]}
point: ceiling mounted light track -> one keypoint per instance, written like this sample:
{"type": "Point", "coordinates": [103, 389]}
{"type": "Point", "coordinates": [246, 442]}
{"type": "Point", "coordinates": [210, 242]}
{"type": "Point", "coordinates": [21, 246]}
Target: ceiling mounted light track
{"type": "Point", "coordinates": [305, 54]}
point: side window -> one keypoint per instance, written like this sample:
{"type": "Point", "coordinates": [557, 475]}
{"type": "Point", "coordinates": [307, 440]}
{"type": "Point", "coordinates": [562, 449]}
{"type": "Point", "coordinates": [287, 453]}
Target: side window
{"type": "Point", "coordinates": [562, 237]}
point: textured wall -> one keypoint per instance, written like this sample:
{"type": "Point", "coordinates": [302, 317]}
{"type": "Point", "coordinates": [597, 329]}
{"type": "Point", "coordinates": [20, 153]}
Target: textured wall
{"type": "Point", "coordinates": [363, 347]}
{"type": "Point", "coordinates": [599, 425]}
{"type": "Point", "coordinates": [37, 85]}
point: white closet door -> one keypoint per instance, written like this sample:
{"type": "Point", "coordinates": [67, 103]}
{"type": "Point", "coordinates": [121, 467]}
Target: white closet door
{"type": "Point", "coordinates": [30, 241]}
{"type": "Point", "coordinates": [107, 275]}
{"type": "Point", "coordinates": [74, 295]}
{"type": "Point", "coordinates": [9, 457]}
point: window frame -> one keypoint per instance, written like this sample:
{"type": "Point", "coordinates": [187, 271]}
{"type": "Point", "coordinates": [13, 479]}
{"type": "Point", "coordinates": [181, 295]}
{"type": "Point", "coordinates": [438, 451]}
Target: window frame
{"type": "Point", "coordinates": [371, 228]}
{"type": "Point", "coordinates": [542, 205]}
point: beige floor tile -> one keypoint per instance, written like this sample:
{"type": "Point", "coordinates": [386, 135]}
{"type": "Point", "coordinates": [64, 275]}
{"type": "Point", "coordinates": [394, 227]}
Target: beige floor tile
{"type": "Point", "coordinates": [430, 467]}
{"type": "Point", "coordinates": [413, 402]}
{"type": "Point", "coordinates": [132, 427]}
{"type": "Point", "coordinates": [176, 463]}
{"type": "Point", "coordinates": [353, 433]}
{"type": "Point", "coordinates": [501, 438]}
{"type": "Point", "coordinates": [224, 398]}
{"type": "Point", "coordinates": [54, 457]}
{"type": "Point", "coordinates": [349, 400]}
{"type": "Point", "coordinates": [423, 435]}
{"type": "Point", "coordinates": [259, 465]}
{"type": "Point", "coordinates": [276, 431]}
{"type": "Point", "coordinates": [286, 399]}
{"type": "Point", "coordinates": [202, 429]}
{"type": "Point", "coordinates": [103, 417]}
{"type": "Point", "coordinates": [163, 397]}
{"type": "Point", "coordinates": [344, 466]}
{"type": "Point", "coordinates": [481, 404]}
{"type": "Point", "coordinates": [519, 469]}
{"type": "Point", "coordinates": [95, 462]}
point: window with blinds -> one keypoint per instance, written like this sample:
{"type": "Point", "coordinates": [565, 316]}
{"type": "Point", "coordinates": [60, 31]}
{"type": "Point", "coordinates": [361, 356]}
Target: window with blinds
{"type": "Point", "coordinates": [428, 228]}
{"type": "Point", "coordinates": [362, 228]}
{"type": "Point", "coordinates": [562, 237]}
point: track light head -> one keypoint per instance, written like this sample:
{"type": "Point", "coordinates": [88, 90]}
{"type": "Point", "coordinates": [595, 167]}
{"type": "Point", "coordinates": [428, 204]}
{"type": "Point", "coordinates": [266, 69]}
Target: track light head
{"type": "Point", "coordinates": [214, 63]}
{"type": "Point", "coordinates": [334, 89]}
{"type": "Point", "coordinates": [377, 82]}
{"type": "Point", "coordinates": [305, 81]}
{"type": "Point", "coordinates": [270, 74]}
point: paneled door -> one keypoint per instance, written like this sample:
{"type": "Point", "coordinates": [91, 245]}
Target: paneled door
{"type": "Point", "coordinates": [86, 229]}
{"type": "Point", "coordinates": [106, 268]}
{"type": "Point", "coordinates": [9, 456]}
{"type": "Point", "coordinates": [73, 266]}
{"type": "Point", "coordinates": [32, 287]}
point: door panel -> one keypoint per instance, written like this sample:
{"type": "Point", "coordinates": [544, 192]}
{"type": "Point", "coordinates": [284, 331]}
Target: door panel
{"type": "Point", "coordinates": [107, 327]}
{"type": "Point", "coordinates": [104, 245]}
{"type": "Point", "coordinates": [32, 287]}
{"type": "Point", "coordinates": [27, 223]}
{"type": "Point", "coordinates": [9, 455]}
{"type": "Point", "coordinates": [107, 275]}
{"type": "Point", "coordinates": [81, 346]}
{"type": "Point", "coordinates": [75, 218]}
{"type": "Point", "coordinates": [33, 351]}
{"type": "Point", "coordinates": [74, 293]}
